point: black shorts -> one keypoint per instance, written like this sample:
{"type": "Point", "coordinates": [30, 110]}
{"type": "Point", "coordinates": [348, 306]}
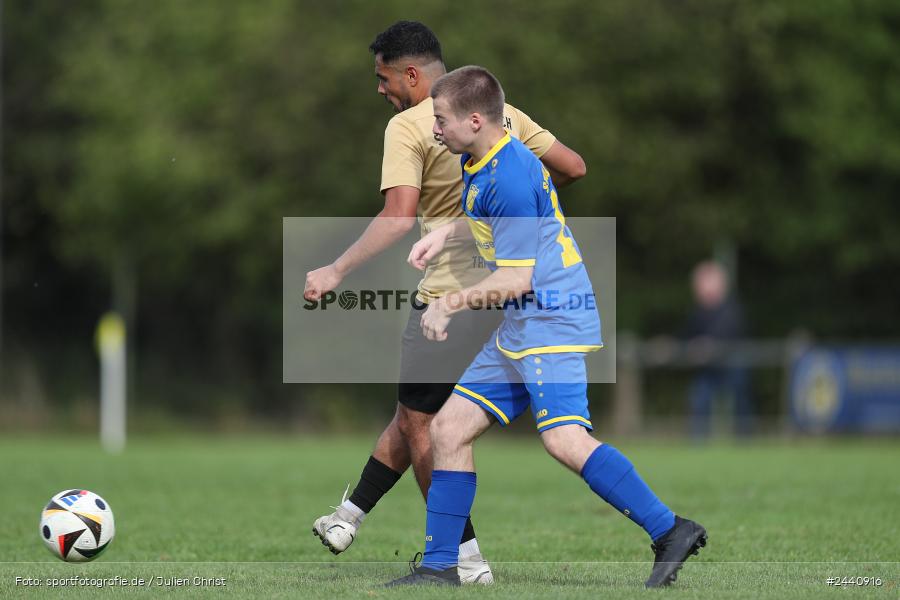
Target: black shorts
{"type": "Point", "coordinates": [429, 370]}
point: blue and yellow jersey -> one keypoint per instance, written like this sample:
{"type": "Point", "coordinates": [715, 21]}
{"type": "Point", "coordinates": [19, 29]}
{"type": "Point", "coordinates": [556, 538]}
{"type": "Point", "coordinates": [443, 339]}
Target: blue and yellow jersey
{"type": "Point", "coordinates": [515, 216]}
{"type": "Point", "coordinates": [414, 157]}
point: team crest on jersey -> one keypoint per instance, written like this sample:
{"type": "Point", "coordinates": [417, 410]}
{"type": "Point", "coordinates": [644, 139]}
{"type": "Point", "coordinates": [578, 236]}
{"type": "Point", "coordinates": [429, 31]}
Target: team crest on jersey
{"type": "Point", "coordinates": [470, 197]}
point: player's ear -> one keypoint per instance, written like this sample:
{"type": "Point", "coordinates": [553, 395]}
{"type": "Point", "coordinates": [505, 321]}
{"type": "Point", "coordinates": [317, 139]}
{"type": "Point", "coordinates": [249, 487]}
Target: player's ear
{"type": "Point", "coordinates": [477, 121]}
{"type": "Point", "coordinates": [412, 75]}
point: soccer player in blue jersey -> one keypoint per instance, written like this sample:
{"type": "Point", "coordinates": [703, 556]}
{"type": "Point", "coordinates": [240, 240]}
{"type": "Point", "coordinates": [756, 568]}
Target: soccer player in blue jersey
{"type": "Point", "coordinates": [420, 177]}
{"type": "Point", "coordinates": [535, 359]}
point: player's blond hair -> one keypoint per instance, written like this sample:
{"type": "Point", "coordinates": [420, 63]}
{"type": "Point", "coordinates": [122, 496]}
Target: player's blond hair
{"type": "Point", "coordinates": [472, 89]}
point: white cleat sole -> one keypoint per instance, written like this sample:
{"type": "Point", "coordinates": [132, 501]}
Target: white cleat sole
{"type": "Point", "coordinates": [475, 572]}
{"type": "Point", "coordinates": [335, 537]}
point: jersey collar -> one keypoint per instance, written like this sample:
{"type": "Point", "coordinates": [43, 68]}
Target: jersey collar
{"type": "Point", "coordinates": [472, 169]}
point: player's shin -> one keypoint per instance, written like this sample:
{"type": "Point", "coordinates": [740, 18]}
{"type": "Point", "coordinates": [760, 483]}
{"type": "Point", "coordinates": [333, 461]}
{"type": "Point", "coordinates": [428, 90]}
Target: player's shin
{"type": "Point", "coordinates": [375, 481]}
{"type": "Point", "coordinates": [450, 500]}
{"type": "Point", "coordinates": [612, 477]}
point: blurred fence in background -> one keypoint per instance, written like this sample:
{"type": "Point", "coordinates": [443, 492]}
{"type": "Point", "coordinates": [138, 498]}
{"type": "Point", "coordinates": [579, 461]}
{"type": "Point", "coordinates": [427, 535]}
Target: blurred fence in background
{"type": "Point", "coordinates": [664, 387]}
{"type": "Point", "coordinates": [638, 359]}
{"type": "Point", "coordinates": [812, 389]}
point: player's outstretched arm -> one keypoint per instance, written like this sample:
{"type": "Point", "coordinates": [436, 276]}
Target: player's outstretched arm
{"type": "Point", "coordinates": [503, 284]}
{"type": "Point", "coordinates": [431, 244]}
{"type": "Point", "coordinates": [565, 165]}
{"type": "Point", "coordinates": [393, 222]}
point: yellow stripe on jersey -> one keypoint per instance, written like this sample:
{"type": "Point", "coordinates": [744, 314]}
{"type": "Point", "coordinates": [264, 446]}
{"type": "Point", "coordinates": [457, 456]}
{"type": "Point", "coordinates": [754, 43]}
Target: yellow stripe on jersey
{"type": "Point", "coordinates": [545, 350]}
{"type": "Point", "coordinates": [567, 418]}
{"type": "Point", "coordinates": [484, 238]}
{"type": "Point", "coordinates": [471, 169]}
{"type": "Point", "coordinates": [487, 402]}
{"type": "Point", "coordinates": [515, 262]}
{"type": "Point", "coordinates": [569, 254]}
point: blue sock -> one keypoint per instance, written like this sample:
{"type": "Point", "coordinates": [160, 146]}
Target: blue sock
{"type": "Point", "coordinates": [450, 499]}
{"type": "Point", "coordinates": [613, 478]}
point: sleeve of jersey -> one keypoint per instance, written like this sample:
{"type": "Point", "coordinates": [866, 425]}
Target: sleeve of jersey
{"type": "Point", "coordinates": [514, 224]}
{"type": "Point", "coordinates": [403, 158]}
{"type": "Point", "coordinates": [535, 137]}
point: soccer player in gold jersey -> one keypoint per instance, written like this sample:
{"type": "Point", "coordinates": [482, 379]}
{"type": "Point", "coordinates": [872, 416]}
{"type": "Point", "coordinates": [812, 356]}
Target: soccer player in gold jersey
{"type": "Point", "coordinates": [421, 179]}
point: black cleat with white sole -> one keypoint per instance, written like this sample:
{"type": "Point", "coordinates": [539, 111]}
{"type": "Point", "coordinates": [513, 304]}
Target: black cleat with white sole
{"type": "Point", "coordinates": [673, 548]}
{"type": "Point", "coordinates": [419, 575]}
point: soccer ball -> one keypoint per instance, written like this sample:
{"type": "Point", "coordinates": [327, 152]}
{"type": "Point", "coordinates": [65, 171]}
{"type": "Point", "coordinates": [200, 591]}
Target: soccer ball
{"type": "Point", "coordinates": [77, 525]}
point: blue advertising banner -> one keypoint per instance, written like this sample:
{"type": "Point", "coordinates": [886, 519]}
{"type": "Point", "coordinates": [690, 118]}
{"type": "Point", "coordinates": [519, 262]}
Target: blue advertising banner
{"type": "Point", "coordinates": [847, 390]}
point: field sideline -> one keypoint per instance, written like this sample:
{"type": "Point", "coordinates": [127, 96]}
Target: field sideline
{"type": "Point", "coordinates": [782, 518]}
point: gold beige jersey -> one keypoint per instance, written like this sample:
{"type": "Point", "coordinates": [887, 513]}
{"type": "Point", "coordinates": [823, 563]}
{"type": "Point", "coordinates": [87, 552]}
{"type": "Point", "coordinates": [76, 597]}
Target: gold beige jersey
{"type": "Point", "coordinates": [412, 156]}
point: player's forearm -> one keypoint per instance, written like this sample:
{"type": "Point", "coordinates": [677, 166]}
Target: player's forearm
{"type": "Point", "coordinates": [461, 229]}
{"type": "Point", "coordinates": [560, 180]}
{"type": "Point", "coordinates": [458, 228]}
{"type": "Point", "coordinates": [382, 233]}
{"type": "Point", "coordinates": [504, 284]}
{"type": "Point", "coordinates": [565, 165]}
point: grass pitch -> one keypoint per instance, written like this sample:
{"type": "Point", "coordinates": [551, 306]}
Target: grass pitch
{"type": "Point", "coordinates": [782, 518]}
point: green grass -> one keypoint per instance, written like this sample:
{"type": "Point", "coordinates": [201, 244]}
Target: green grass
{"type": "Point", "coordinates": [782, 518]}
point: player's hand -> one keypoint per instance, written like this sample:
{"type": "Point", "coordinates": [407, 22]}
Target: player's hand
{"type": "Point", "coordinates": [320, 281]}
{"type": "Point", "coordinates": [434, 322]}
{"type": "Point", "coordinates": [428, 247]}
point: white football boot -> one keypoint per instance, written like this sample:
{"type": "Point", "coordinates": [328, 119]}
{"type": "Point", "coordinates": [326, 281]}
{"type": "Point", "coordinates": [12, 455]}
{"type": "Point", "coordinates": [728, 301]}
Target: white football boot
{"type": "Point", "coordinates": [337, 530]}
{"type": "Point", "coordinates": [474, 569]}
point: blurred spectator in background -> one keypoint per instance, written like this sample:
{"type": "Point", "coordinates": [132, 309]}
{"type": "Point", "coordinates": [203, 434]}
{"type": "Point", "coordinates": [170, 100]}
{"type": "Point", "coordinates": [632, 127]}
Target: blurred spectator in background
{"type": "Point", "coordinates": [716, 319]}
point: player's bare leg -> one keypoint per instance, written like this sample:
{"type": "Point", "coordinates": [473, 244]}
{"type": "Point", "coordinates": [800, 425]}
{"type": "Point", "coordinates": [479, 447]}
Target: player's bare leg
{"type": "Point", "coordinates": [570, 444]}
{"type": "Point", "coordinates": [453, 431]}
{"type": "Point", "coordinates": [416, 428]}
{"type": "Point", "coordinates": [392, 447]}
{"type": "Point", "coordinates": [413, 427]}
{"type": "Point", "coordinates": [612, 477]}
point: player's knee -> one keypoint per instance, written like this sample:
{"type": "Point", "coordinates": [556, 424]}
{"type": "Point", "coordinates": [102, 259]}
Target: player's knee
{"type": "Point", "coordinates": [438, 429]}
{"type": "Point", "coordinates": [413, 424]}
{"type": "Point", "coordinates": [560, 442]}
{"type": "Point", "coordinates": [443, 432]}
{"type": "Point", "coordinates": [394, 425]}
{"type": "Point", "coordinates": [554, 447]}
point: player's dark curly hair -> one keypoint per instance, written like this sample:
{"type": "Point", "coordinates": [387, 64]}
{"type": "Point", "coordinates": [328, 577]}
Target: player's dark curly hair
{"type": "Point", "coordinates": [406, 38]}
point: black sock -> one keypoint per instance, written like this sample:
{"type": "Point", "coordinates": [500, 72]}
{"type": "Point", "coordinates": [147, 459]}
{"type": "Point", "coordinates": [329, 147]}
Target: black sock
{"type": "Point", "coordinates": [376, 480]}
{"type": "Point", "coordinates": [468, 532]}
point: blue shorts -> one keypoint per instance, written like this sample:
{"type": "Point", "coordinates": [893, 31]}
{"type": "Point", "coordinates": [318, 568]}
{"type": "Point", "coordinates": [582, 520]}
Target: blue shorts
{"type": "Point", "coordinates": [553, 385]}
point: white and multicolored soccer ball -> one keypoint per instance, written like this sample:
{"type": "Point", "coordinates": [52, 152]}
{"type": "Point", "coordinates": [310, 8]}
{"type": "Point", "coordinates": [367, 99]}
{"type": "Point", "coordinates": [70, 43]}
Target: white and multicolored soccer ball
{"type": "Point", "coordinates": [77, 525]}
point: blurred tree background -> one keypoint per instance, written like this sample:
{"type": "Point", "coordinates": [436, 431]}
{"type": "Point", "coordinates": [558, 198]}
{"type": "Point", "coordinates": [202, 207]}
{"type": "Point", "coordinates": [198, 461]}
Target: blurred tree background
{"type": "Point", "coordinates": [151, 149]}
